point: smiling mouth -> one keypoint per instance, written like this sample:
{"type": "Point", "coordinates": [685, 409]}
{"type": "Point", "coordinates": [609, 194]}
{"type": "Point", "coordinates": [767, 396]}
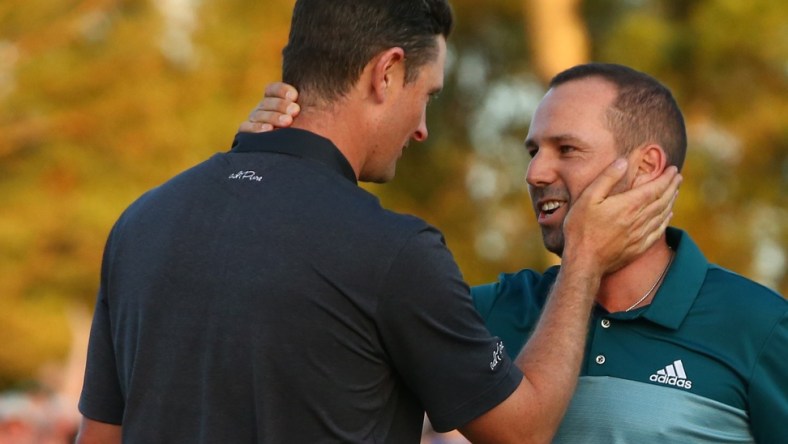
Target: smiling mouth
{"type": "Point", "coordinates": [550, 207]}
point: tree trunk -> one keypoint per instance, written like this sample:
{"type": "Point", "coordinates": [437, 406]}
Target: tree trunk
{"type": "Point", "coordinates": [558, 35]}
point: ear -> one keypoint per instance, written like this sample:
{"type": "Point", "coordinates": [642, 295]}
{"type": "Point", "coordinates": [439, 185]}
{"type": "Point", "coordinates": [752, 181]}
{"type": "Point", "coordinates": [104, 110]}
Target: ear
{"type": "Point", "coordinates": [650, 161]}
{"type": "Point", "coordinates": [388, 68]}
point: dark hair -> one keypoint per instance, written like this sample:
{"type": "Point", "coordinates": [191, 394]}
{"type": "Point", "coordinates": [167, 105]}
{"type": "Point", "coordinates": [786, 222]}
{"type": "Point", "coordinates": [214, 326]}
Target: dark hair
{"type": "Point", "coordinates": [644, 111]}
{"type": "Point", "coordinates": [331, 41]}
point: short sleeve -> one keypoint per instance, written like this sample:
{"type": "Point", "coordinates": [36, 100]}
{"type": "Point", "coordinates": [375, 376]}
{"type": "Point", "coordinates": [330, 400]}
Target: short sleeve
{"type": "Point", "coordinates": [768, 395]}
{"type": "Point", "coordinates": [435, 338]}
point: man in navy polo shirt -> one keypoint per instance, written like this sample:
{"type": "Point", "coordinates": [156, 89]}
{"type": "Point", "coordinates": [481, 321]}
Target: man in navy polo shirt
{"type": "Point", "coordinates": [679, 350]}
{"type": "Point", "coordinates": [262, 296]}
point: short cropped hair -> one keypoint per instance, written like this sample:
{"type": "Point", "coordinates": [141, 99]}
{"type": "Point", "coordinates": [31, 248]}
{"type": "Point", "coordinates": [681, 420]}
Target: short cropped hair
{"type": "Point", "coordinates": [331, 41]}
{"type": "Point", "coordinates": [644, 111]}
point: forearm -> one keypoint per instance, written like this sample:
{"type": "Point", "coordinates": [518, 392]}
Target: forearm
{"type": "Point", "coordinates": [95, 432]}
{"type": "Point", "coordinates": [551, 360]}
{"type": "Point", "coordinates": [550, 363]}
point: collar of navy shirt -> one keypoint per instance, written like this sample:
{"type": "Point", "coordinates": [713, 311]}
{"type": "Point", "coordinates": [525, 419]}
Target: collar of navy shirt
{"type": "Point", "coordinates": [296, 142]}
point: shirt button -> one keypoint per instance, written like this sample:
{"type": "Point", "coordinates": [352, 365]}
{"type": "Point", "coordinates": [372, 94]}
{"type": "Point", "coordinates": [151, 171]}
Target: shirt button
{"type": "Point", "coordinates": [600, 359]}
{"type": "Point", "coordinates": [605, 323]}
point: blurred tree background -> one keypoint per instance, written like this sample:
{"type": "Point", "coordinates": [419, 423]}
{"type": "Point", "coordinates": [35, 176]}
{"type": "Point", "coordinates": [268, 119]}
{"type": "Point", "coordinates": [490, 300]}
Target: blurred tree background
{"type": "Point", "coordinates": [102, 99]}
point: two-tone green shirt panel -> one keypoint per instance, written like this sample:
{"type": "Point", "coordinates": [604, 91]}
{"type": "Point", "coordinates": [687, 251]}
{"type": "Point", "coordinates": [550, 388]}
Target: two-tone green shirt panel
{"type": "Point", "coordinates": [606, 410]}
{"type": "Point", "coordinates": [708, 357]}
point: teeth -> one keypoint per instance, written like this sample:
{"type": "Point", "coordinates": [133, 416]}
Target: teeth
{"type": "Point", "coordinates": [550, 206]}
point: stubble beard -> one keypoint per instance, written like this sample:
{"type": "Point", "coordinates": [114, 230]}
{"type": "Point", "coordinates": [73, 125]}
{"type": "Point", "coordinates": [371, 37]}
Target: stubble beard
{"type": "Point", "coordinates": [552, 237]}
{"type": "Point", "coordinates": [553, 240]}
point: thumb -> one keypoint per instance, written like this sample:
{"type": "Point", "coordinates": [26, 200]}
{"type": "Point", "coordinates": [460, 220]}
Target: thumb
{"type": "Point", "coordinates": [600, 188]}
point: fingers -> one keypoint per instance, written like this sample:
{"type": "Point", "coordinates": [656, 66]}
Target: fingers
{"type": "Point", "coordinates": [277, 107]}
{"type": "Point", "coordinates": [667, 189]}
{"type": "Point", "coordinates": [595, 194]}
{"type": "Point", "coordinates": [262, 120]}
{"type": "Point", "coordinates": [269, 114]}
{"type": "Point", "coordinates": [662, 188]}
{"type": "Point", "coordinates": [601, 187]}
{"type": "Point", "coordinates": [276, 110]}
{"type": "Point", "coordinates": [614, 229]}
{"type": "Point", "coordinates": [656, 216]}
{"type": "Point", "coordinates": [281, 90]}
{"type": "Point", "coordinates": [254, 127]}
{"type": "Point", "coordinates": [648, 210]}
{"type": "Point", "coordinates": [654, 200]}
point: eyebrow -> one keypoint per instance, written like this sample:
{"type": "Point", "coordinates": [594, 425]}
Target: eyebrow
{"type": "Point", "coordinates": [557, 139]}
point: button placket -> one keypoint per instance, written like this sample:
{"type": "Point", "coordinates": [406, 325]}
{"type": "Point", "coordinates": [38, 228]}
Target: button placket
{"type": "Point", "coordinates": [599, 340]}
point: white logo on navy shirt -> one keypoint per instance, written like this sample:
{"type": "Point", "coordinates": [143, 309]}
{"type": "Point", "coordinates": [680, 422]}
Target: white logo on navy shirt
{"type": "Point", "coordinates": [497, 355]}
{"type": "Point", "coordinates": [246, 175]}
{"type": "Point", "coordinates": [672, 374]}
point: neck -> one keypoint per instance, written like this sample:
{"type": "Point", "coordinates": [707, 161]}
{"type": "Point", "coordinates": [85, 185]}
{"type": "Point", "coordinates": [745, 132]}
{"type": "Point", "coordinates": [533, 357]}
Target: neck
{"type": "Point", "coordinates": [620, 290]}
{"type": "Point", "coordinates": [337, 123]}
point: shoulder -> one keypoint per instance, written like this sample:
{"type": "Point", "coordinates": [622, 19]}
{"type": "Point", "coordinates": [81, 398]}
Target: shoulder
{"type": "Point", "coordinates": [511, 290]}
{"type": "Point", "coordinates": [393, 231]}
{"type": "Point", "coordinates": [192, 184]}
{"type": "Point", "coordinates": [734, 290]}
{"type": "Point", "coordinates": [727, 298]}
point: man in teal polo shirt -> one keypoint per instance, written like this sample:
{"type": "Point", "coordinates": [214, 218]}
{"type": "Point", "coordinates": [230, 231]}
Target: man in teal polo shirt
{"type": "Point", "coordinates": [705, 361]}
{"type": "Point", "coordinates": [679, 350]}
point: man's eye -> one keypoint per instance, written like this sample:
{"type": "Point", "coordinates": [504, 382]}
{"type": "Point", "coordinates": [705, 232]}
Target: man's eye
{"type": "Point", "coordinates": [566, 149]}
{"type": "Point", "coordinates": [532, 152]}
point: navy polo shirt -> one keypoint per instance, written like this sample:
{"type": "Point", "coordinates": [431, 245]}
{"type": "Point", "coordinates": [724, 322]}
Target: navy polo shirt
{"type": "Point", "coordinates": [706, 361]}
{"type": "Point", "coordinates": [263, 297]}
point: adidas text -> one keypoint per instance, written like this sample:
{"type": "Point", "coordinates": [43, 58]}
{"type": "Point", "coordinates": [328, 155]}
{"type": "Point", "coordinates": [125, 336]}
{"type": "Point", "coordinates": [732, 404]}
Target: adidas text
{"type": "Point", "coordinates": [673, 374]}
{"type": "Point", "coordinates": [671, 380]}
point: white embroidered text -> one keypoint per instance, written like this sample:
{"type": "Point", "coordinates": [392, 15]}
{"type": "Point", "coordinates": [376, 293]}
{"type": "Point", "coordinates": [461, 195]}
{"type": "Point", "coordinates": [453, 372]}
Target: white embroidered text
{"type": "Point", "coordinates": [246, 175]}
{"type": "Point", "coordinates": [497, 355]}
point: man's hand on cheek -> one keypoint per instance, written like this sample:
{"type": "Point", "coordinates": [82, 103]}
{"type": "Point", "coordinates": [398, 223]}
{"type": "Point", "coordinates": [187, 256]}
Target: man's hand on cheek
{"type": "Point", "coordinates": [277, 109]}
{"type": "Point", "coordinates": [609, 229]}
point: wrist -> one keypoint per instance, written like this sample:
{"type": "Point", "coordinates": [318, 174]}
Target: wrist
{"type": "Point", "coordinates": [582, 267]}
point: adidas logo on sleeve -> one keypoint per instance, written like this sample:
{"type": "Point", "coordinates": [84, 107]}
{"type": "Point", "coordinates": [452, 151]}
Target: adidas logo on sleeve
{"type": "Point", "coordinates": [673, 374]}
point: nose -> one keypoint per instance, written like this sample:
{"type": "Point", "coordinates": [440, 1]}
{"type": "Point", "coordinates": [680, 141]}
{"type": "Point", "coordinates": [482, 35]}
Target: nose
{"type": "Point", "coordinates": [421, 133]}
{"type": "Point", "coordinates": [540, 172]}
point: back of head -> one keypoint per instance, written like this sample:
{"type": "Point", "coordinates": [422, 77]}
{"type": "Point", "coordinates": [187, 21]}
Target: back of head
{"type": "Point", "coordinates": [331, 41]}
{"type": "Point", "coordinates": [644, 111]}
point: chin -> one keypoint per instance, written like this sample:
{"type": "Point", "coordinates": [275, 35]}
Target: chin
{"type": "Point", "coordinates": [554, 243]}
{"type": "Point", "coordinates": [377, 178]}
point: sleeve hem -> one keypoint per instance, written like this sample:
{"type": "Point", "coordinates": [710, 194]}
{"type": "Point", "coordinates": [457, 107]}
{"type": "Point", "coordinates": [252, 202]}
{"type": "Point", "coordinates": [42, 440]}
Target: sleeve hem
{"type": "Point", "coordinates": [479, 405]}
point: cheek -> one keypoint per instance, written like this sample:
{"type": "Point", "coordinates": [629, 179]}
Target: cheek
{"type": "Point", "coordinates": [629, 181]}
{"type": "Point", "coordinates": [584, 174]}
{"type": "Point", "coordinates": [416, 115]}
{"type": "Point", "coordinates": [578, 183]}
{"type": "Point", "coordinates": [403, 120]}
{"type": "Point", "coordinates": [417, 108]}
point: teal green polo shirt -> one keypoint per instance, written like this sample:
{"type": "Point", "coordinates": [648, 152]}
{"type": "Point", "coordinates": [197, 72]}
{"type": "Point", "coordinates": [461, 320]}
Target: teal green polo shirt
{"type": "Point", "coordinates": [705, 362]}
